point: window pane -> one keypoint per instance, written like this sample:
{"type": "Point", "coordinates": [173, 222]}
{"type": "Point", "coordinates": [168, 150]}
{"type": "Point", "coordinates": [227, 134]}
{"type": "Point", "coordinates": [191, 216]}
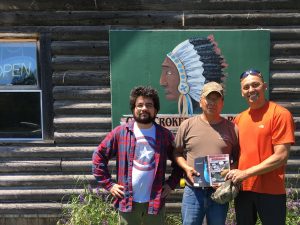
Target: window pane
{"type": "Point", "coordinates": [18, 63]}
{"type": "Point", "coordinates": [20, 115]}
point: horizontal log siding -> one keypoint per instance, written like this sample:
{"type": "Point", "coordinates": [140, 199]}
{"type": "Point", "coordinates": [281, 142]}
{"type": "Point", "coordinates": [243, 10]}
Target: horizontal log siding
{"type": "Point", "coordinates": [149, 18]}
{"type": "Point", "coordinates": [35, 176]}
{"type": "Point", "coordinates": [80, 78]}
{"type": "Point", "coordinates": [159, 5]}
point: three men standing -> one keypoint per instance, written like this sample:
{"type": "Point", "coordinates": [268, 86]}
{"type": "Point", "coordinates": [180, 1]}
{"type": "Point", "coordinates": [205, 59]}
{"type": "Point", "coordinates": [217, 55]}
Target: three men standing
{"type": "Point", "coordinates": [260, 146]}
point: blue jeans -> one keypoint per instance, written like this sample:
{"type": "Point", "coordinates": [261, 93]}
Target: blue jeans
{"type": "Point", "coordinates": [196, 203]}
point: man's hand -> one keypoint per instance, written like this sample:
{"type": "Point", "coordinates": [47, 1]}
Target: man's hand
{"type": "Point", "coordinates": [190, 173]}
{"type": "Point", "coordinates": [117, 191]}
{"type": "Point", "coordinates": [166, 191]}
{"type": "Point", "coordinates": [216, 186]}
{"type": "Point", "coordinates": [236, 176]}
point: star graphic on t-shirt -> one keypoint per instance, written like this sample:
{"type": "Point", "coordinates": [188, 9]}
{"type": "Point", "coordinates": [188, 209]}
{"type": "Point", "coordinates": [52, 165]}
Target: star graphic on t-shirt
{"type": "Point", "coordinates": [145, 153]}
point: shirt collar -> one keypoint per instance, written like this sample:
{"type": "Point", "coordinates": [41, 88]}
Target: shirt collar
{"type": "Point", "coordinates": [130, 124]}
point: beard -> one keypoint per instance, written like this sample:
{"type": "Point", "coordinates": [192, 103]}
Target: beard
{"type": "Point", "coordinates": [140, 118]}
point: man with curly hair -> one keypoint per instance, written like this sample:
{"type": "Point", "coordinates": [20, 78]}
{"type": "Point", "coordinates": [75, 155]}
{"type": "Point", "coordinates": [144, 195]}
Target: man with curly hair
{"type": "Point", "coordinates": [141, 148]}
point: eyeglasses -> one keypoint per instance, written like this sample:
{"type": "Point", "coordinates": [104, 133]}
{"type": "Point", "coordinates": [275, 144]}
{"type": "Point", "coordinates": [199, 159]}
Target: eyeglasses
{"type": "Point", "coordinates": [147, 105]}
{"type": "Point", "coordinates": [252, 72]}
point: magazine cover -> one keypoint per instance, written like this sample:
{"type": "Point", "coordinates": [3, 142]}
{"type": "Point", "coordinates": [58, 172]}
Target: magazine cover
{"type": "Point", "coordinates": [201, 166]}
{"type": "Point", "coordinates": [212, 169]}
{"type": "Point", "coordinates": [218, 165]}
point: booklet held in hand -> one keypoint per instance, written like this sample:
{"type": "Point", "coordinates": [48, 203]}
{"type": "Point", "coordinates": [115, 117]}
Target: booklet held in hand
{"type": "Point", "coordinates": [212, 169]}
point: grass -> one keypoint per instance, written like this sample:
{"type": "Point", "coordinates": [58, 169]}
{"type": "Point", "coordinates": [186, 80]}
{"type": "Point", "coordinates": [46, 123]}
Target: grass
{"type": "Point", "coordinates": [94, 207]}
{"type": "Point", "coordinates": [89, 208]}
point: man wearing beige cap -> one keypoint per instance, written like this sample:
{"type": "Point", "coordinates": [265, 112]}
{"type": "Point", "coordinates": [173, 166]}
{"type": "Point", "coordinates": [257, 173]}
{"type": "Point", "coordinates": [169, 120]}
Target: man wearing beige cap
{"type": "Point", "coordinates": [199, 136]}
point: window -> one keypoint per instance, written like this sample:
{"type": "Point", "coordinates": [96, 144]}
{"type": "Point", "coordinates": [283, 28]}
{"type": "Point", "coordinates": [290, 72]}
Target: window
{"type": "Point", "coordinates": [20, 91]}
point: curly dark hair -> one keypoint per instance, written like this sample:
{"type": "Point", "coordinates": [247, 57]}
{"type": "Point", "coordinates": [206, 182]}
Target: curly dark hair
{"type": "Point", "coordinates": [145, 91]}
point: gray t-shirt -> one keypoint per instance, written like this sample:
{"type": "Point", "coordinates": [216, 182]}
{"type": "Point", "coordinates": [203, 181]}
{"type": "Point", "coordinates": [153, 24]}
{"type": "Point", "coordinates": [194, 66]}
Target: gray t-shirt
{"type": "Point", "coordinates": [196, 138]}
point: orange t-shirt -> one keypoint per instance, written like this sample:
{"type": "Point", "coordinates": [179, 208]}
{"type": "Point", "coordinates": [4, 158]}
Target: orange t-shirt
{"type": "Point", "coordinates": [259, 130]}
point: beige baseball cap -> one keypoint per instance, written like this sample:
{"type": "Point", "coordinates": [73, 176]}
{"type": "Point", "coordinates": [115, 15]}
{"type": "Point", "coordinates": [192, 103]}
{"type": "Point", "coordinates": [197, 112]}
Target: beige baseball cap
{"type": "Point", "coordinates": [212, 87]}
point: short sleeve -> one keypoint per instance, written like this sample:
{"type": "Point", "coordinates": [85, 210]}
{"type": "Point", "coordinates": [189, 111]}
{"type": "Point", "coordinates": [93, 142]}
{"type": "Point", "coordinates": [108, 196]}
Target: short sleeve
{"type": "Point", "coordinates": [283, 127]}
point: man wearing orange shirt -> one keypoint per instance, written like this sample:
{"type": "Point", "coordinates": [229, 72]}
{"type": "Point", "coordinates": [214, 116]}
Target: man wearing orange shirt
{"type": "Point", "coordinates": [266, 132]}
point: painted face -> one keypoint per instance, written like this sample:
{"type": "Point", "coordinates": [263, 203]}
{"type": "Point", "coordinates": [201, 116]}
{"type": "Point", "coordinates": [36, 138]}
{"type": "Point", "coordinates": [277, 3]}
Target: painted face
{"type": "Point", "coordinates": [212, 104]}
{"type": "Point", "coordinates": [169, 79]}
{"type": "Point", "coordinates": [253, 90]}
{"type": "Point", "coordinates": [144, 111]}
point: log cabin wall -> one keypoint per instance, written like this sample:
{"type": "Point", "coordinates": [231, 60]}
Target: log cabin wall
{"type": "Point", "coordinates": [74, 67]}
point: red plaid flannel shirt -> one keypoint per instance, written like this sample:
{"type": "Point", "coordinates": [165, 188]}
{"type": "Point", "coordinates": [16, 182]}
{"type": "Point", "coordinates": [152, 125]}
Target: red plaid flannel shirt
{"type": "Point", "coordinates": [120, 142]}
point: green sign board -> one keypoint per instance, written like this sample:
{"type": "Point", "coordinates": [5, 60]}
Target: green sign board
{"type": "Point", "coordinates": [137, 57]}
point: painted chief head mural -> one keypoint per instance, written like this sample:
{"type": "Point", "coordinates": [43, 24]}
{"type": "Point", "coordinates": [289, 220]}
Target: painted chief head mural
{"type": "Point", "coordinates": [178, 63]}
{"type": "Point", "coordinates": [185, 70]}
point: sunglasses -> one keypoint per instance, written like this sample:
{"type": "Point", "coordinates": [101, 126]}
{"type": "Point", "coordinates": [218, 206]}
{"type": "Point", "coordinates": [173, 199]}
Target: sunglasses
{"type": "Point", "coordinates": [251, 72]}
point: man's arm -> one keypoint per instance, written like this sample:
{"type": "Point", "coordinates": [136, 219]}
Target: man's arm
{"type": "Point", "coordinates": [176, 172]}
{"type": "Point", "coordinates": [105, 151]}
{"type": "Point", "coordinates": [235, 155]}
{"type": "Point", "coordinates": [181, 161]}
{"type": "Point", "coordinates": [277, 159]}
